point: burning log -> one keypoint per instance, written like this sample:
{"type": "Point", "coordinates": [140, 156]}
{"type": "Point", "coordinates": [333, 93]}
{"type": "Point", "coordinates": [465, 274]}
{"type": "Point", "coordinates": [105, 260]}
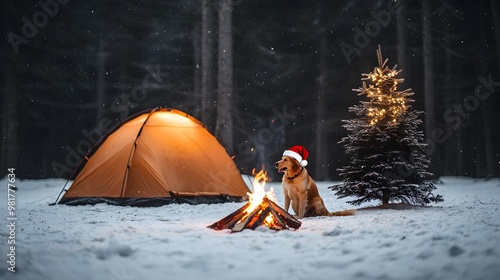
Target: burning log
{"type": "Point", "coordinates": [266, 213]}
{"type": "Point", "coordinates": [260, 210]}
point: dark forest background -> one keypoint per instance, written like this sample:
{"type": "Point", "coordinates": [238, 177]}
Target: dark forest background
{"type": "Point", "coordinates": [262, 75]}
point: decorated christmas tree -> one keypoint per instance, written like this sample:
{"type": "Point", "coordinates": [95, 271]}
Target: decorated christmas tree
{"type": "Point", "coordinates": [388, 161]}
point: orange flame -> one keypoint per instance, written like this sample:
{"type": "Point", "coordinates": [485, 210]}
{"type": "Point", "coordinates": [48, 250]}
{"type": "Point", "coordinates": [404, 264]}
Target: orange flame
{"type": "Point", "coordinates": [259, 192]}
{"type": "Point", "coordinates": [270, 221]}
{"type": "Point", "coordinates": [257, 197]}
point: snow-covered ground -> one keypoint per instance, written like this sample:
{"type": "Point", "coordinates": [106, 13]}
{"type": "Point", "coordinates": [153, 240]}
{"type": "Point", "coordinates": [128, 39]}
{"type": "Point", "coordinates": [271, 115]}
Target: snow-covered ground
{"type": "Point", "coordinates": [456, 239]}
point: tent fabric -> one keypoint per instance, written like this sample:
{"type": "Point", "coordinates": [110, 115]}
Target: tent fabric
{"type": "Point", "coordinates": [155, 158]}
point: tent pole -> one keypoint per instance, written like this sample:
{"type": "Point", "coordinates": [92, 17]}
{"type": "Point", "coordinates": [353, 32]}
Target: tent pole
{"type": "Point", "coordinates": [131, 155]}
{"type": "Point", "coordinates": [63, 190]}
{"type": "Point", "coordinates": [67, 181]}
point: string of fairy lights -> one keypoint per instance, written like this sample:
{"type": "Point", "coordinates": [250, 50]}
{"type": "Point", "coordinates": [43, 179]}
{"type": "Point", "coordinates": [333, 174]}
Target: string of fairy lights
{"type": "Point", "coordinates": [385, 101]}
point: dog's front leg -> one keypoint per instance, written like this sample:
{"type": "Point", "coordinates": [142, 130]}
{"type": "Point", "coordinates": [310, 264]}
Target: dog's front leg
{"type": "Point", "coordinates": [302, 205]}
{"type": "Point", "coordinates": [287, 199]}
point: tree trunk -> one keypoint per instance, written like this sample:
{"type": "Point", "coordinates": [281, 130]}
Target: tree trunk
{"type": "Point", "coordinates": [428, 71]}
{"type": "Point", "coordinates": [207, 62]}
{"type": "Point", "coordinates": [401, 23]}
{"type": "Point", "coordinates": [101, 82]}
{"type": "Point", "coordinates": [449, 151]}
{"type": "Point", "coordinates": [459, 158]}
{"type": "Point", "coordinates": [488, 143]}
{"type": "Point", "coordinates": [385, 197]}
{"type": "Point", "coordinates": [495, 13]}
{"type": "Point", "coordinates": [11, 83]}
{"type": "Point", "coordinates": [9, 121]}
{"type": "Point", "coordinates": [224, 124]}
{"type": "Point", "coordinates": [488, 135]}
{"type": "Point", "coordinates": [321, 155]}
{"type": "Point", "coordinates": [196, 71]}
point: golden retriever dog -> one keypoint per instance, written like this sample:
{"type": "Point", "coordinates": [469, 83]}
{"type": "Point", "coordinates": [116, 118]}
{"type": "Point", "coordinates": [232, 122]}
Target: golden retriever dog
{"type": "Point", "coordinates": [301, 191]}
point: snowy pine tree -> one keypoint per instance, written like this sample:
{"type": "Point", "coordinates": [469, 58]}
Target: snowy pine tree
{"type": "Point", "coordinates": [388, 161]}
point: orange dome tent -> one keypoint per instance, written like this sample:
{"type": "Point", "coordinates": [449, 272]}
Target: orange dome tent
{"type": "Point", "coordinates": [154, 158]}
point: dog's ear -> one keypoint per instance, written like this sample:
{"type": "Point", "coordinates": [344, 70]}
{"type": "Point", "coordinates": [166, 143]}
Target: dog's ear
{"type": "Point", "coordinates": [295, 165]}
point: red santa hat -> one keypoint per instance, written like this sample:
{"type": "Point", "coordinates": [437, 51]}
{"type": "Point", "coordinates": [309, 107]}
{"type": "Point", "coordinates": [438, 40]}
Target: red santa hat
{"type": "Point", "coordinates": [299, 153]}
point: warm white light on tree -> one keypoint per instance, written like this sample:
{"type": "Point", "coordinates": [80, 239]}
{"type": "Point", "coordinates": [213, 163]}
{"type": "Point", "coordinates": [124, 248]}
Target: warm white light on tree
{"type": "Point", "coordinates": [384, 140]}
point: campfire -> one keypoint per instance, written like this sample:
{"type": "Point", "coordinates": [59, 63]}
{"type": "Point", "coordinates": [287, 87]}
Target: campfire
{"type": "Point", "coordinates": [261, 209]}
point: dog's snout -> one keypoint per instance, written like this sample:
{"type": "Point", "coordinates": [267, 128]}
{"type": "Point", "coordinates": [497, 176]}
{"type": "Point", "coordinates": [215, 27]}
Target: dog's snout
{"type": "Point", "coordinates": [276, 164]}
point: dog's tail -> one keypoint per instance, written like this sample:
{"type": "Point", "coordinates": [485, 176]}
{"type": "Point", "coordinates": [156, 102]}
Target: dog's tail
{"type": "Point", "coordinates": [343, 213]}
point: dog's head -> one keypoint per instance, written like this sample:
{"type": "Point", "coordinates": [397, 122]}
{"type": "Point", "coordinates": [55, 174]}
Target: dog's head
{"type": "Point", "coordinates": [287, 165]}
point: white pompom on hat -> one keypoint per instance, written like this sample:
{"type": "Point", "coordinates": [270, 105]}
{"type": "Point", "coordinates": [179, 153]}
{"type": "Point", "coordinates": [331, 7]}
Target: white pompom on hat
{"type": "Point", "coordinates": [299, 153]}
